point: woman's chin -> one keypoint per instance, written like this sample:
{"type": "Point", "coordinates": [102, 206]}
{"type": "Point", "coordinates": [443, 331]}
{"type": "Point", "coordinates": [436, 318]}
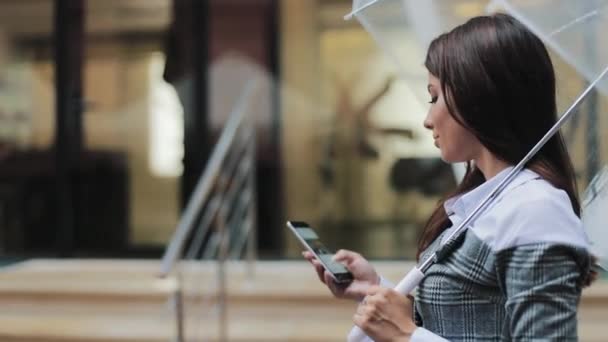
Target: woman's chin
{"type": "Point", "coordinates": [450, 159]}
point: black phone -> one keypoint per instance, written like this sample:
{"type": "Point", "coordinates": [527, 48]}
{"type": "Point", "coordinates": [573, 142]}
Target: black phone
{"type": "Point", "coordinates": [309, 238]}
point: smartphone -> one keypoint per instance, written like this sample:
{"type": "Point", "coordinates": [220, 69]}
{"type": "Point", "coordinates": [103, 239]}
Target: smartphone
{"type": "Point", "coordinates": [310, 240]}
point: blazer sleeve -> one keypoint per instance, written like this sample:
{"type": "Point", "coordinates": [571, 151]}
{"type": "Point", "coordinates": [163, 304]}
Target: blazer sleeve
{"type": "Point", "coordinates": [542, 285]}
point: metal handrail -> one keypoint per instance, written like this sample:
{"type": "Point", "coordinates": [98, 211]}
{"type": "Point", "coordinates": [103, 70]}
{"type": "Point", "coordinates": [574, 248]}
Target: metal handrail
{"type": "Point", "coordinates": [223, 201]}
{"type": "Point", "coordinates": [224, 197]}
{"type": "Point", "coordinates": [204, 186]}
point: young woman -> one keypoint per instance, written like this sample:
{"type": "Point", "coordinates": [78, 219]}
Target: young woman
{"type": "Point", "coordinates": [517, 272]}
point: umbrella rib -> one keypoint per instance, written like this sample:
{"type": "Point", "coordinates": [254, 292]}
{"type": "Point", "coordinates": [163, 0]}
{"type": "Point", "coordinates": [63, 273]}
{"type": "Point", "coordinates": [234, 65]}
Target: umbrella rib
{"type": "Point", "coordinates": [575, 21]}
{"type": "Point", "coordinates": [350, 15]}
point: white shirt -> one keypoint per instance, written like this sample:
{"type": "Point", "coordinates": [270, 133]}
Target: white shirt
{"type": "Point", "coordinates": [529, 210]}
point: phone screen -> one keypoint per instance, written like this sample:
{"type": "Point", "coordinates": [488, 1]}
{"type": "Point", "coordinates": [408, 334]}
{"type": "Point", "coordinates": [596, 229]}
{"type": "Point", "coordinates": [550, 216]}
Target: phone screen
{"type": "Point", "coordinates": [325, 255]}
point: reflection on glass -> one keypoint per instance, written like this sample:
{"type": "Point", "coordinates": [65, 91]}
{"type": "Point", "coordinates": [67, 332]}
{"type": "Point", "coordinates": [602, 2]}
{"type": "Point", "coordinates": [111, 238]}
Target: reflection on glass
{"type": "Point", "coordinates": [134, 113]}
{"type": "Point", "coordinates": [166, 124]}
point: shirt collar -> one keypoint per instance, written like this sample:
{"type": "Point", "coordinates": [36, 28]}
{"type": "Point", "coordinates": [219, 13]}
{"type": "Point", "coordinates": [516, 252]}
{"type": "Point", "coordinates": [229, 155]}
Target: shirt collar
{"type": "Point", "coordinates": [463, 204]}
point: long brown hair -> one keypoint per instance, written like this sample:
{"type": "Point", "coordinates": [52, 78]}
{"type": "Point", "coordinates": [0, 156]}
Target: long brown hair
{"type": "Point", "coordinates": [498, 77]}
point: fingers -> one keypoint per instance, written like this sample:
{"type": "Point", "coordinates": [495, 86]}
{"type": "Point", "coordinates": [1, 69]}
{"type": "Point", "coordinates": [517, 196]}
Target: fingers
{"type": "Point", "coordinates": [379, 313]}
{"type": "Point", "coordinates": [372, 307]}
{"type": "Point", "coordinates": [378, 300]}
{"type": "Point", "coordinates": [328, 280]}
{"type": "Point", "coordinates": [379, 296]}
{"type": "Point", "coordinates": [366, 312]}
{"type": "Point", "coordinates": [368, 317]}
{"type": "Point", "coordinates": [357, 290]}
{"type": "Point", "coordinates": [346, 256]}
{"type": "Point", "coordinates": [308, 255]}
{"type": "Point", "coordinates": [388, 301]}
{"type": "Point", "coordinates": [320, 271]}
{"type": "Point", "coordinates": [317, 265]}
{"type": "Point", "coordinates": [375, 289]}
{"type": "Point", "coordinates": [333, 287]}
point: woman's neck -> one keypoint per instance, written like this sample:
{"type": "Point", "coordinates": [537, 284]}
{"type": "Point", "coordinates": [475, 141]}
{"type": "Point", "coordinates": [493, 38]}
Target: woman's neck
{"type": "Point", "coordinates": [489, 165]}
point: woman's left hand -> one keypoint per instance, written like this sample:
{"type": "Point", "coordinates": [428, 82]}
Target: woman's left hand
{"type": "Point", "coordinates": [385, 315]}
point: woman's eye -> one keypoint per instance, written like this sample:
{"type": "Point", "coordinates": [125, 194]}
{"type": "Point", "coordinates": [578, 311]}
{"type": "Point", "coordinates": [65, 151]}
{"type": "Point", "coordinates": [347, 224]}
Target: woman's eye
{"type": "Point", "coordinates": [433, 99]}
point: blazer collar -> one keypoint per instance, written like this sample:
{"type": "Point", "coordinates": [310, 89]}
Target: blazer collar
{"type": "Point", "coordinates": [464, 204]}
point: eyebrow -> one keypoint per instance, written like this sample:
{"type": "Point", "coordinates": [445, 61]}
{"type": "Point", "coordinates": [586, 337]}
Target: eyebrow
{"type": "Point", "coordinates": [428, 87]}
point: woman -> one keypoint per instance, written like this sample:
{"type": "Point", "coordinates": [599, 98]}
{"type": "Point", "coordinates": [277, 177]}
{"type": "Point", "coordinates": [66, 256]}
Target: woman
{"type": "Point", "coordinates": [516, 273]}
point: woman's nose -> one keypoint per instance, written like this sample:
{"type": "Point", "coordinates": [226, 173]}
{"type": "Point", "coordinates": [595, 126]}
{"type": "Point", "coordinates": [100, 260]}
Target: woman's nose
{"type": "Point", "coordinates": [427, 122]}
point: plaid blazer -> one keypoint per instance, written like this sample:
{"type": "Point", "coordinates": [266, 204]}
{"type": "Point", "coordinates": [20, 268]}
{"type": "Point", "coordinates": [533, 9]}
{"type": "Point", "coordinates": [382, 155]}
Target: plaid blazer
{"type": "Point", "coordinates": [524, 293]}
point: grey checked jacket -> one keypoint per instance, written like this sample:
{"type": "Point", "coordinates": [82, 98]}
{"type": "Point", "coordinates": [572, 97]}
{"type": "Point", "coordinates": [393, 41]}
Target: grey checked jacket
{"type": "Point", "coordinates": [524, 293]}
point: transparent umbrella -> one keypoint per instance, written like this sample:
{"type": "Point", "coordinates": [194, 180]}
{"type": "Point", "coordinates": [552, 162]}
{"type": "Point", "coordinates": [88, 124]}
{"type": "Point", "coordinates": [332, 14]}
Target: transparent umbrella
{"type": "Point", "coordinates": [570, 28]}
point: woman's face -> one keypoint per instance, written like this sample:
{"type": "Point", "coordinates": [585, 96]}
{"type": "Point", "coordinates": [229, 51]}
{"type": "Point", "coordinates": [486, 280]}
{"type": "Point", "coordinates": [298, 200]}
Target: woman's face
{"type": "Point", "coordinates": [454, 141]}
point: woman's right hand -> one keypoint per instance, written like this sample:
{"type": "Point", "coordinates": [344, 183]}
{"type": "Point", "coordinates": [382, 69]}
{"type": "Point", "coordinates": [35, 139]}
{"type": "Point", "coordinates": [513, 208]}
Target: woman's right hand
{"type": "Point", "coordinates": [363, 272]}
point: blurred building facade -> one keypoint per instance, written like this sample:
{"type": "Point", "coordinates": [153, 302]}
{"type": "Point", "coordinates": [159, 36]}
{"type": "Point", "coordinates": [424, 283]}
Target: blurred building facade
{"type": "Point", "coordinates": [109, 110]}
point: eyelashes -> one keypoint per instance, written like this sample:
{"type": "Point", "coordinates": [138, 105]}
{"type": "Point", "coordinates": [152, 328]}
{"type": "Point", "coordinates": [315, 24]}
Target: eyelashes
{"type": "Point", "coordinates": [433, 99]}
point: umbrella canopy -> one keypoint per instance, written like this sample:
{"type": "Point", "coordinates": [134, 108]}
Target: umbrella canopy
{"type": "Point", "coordinates": [595, 218]}
{"type": "Point", "coordinates": [573, 29]}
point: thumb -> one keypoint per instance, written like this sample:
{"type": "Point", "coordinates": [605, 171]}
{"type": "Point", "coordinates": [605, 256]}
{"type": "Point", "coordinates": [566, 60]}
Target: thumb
{"type": "Point", "coordinates": [345, 256]}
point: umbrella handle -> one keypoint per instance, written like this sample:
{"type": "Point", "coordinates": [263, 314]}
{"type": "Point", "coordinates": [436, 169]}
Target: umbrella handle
{"type": "Point", "coordinates": [405, 286]}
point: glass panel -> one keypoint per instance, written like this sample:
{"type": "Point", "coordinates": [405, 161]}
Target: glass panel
{"type": "Point", "coordinates": [27, 106]}
{"type": "Point", "coordinates": [132, 113]}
